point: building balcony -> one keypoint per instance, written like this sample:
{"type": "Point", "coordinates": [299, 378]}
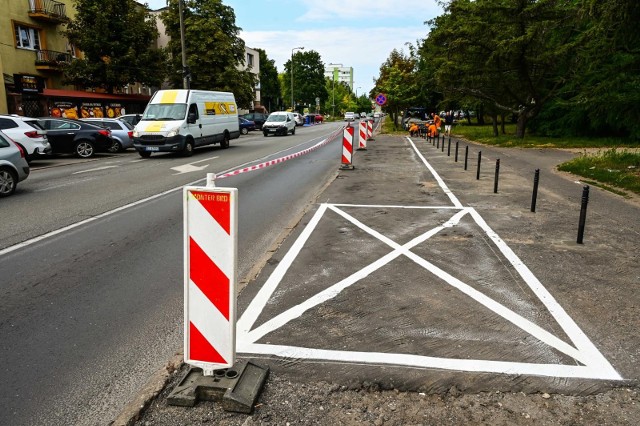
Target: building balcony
{"type": "Point", "coordinates": [48, 10]}
{"type": "Point", "coordinates": [50, 60]}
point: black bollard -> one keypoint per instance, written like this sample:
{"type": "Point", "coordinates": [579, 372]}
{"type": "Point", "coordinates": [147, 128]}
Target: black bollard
{"type": "Point", "coordinates": [479, 161]}
{"type": "Point", "coordinates": [534, 197]}
{"type": "Point", "coordinates": [466, 156]}
{"type": "Point", "coordinates": [437, 142]}
{"type": "Point", "coordinates": [583, 212]}
{"type": "Point", "coordinates": [456, 151]}
{"type": "Point", "coordinates": [442, 143]}
{"type": "Point", "coordinates": [449, 148]}
{"type": "Point", "coordinates": [495, 179]}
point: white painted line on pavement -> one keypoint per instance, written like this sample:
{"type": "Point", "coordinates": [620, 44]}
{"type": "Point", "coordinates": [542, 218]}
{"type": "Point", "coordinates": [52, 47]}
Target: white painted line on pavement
{"type": "Point", "coordinates": [94, 170]}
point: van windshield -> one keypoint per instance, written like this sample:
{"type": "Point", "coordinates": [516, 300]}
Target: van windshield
{"type": "Point", "coordinates": [277, 117]}
{"type": "Point", "coordinates": [165, 112]}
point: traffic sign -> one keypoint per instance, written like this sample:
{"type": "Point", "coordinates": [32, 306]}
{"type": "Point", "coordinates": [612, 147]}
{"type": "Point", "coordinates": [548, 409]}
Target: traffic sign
{"type": "Point", "coordinates": [381, 99]}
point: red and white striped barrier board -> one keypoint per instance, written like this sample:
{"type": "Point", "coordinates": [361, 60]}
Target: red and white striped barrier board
{"type": "Point", "coordinates": [210, 268]}
{"type": "Point", "coordinates": [369, 129]}
{"type": "Point", "coordinates": [362, 135]}
{"type": "Point", "coordinates": [347, 145]}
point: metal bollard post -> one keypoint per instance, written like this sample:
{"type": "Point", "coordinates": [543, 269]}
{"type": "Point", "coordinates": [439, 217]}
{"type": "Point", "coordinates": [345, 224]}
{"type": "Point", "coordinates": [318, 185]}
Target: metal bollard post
{"type": "Point", "coordinates": [437, 142]}
{"type": "Point", "coordinates": [449, 148]}
{"type": "Point", "coordinates": [456, 151]}
{"type": "Point", "coordinates": [583, 213]}
{"type": "Point", "coordinates": [495, 179]}
{"type": "Point", "coordinates": [442, 143]}
{"type": "Point", "coordinates": [466, 156]}
{"type": "Point", "coordinates": [479, 161]}
{"type": "Point", "coordinates": [534, 196]}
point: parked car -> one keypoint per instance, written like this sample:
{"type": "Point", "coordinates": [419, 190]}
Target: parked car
{"type": "Point", "coordinates": [349, 116]}
{"type": "Point", "coordinates": [280, 122]}
{"type": "Point", "coordinates": [27, 133]}
{"type": "Point", "coordinates": [257, 117]}
{"type": "Point", "coordinates": [132, 119]}
{"type": "Point", "coordinates": [299, 118]}
{"type": "Point", "coordinates": [74, 136]}
{"type": "Point", "coordinates": [319, 118]}
{"type": "Point", "coordinates": [13, 165]}
{"type": "Point", "coordinates": [121, 132]}
{"type": "Point", "coordinates": [246, 125]}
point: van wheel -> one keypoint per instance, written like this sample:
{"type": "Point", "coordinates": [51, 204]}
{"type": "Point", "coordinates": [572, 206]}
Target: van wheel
{"type": "Point", "coordinates": [188, 148]}
{"type": "Point", "coordinates": [224, 144]}
{"type": "Point", "coordinates": [144, 154]}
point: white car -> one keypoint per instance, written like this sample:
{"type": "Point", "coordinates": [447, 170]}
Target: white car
{"type": "Point", "coordinates": [299, 119]}
{"type": "Point", "coordinates": [349, 116]}
{"type": "Point", "coordinates": [279, 123]}
{"type": "Point", "coordinates": [27, 133]}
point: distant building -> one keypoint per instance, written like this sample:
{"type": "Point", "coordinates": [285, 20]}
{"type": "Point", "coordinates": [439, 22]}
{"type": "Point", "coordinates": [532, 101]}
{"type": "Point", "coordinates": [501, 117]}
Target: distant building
{"type": "Point", "coordinates": [338, 72]}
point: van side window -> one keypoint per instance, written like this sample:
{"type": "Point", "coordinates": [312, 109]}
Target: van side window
{"type": "Point", "coordinates": [193, 109]}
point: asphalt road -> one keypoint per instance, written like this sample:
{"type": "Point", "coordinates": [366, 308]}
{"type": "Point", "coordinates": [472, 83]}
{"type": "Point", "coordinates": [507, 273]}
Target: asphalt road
{"type": "Point", "coordinates": [90, 312]}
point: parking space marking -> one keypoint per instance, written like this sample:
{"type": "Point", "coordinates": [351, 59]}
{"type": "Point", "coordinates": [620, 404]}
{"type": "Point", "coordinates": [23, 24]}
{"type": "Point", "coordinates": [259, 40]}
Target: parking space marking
{"type": "Point", "coordinates": [97, 169]}
{"type": "Point", "coordinates": [590, 363]}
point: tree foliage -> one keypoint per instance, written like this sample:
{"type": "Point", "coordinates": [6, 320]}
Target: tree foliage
{"type": "Point", "coordinates": [115, 37]}
{"type": "Point", "coordinates": [270, 94]}
{"type": "Point", "coordinates": [308, 79]}
{"type": "Point", "coordinates": [213, 49]}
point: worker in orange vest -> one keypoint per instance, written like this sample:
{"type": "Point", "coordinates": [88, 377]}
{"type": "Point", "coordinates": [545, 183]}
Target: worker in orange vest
{"type": "Point", "coordinates": [437, 121]}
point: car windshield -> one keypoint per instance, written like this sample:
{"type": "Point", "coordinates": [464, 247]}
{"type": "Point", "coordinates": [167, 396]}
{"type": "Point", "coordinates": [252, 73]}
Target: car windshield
{"type": "Point", "coordinates": [277, 118]}
{"type": "Point", "coordinates": [165, 112]}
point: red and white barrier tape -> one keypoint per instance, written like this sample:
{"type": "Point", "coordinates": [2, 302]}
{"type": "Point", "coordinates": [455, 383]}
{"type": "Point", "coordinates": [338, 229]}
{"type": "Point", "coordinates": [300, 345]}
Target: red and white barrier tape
{"type": "Point", "coordinates": [282, 159]}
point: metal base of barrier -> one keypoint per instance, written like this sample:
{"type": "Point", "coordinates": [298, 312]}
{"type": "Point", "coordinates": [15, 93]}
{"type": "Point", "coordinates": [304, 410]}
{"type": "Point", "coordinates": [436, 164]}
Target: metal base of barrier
{"type": "Point", "coordinates": [347, 167]}
{"type": "Point", "coordinates": [237, 388]}
{"type": "Point", "coordinates": [361, 149]}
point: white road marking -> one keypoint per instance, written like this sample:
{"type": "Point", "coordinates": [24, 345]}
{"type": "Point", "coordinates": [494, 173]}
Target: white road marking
{"type": "Point", "coordinates": [188, 168]}
{"type": "Point", "coordinates": [94, 170]}
{"type": "Point", "coordinates": [595, 365]}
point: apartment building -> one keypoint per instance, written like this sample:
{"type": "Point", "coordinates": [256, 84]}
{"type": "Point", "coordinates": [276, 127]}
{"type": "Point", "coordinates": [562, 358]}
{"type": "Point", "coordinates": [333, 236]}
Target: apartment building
{"type": "Point", "coordinates": [338, 73]}
{"type": "Point", "coordinates": [32, 53]}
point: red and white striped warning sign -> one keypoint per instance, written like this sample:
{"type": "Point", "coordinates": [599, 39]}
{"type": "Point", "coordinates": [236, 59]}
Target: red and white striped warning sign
{"type": "Point", "coordinates": [362, 135]}
{"type": "Point", "coordinates": [369, 129]}
{"type": "Point", "coordinates": [210, 247]}
{"type": "Point", "coordinates": [347, 145]}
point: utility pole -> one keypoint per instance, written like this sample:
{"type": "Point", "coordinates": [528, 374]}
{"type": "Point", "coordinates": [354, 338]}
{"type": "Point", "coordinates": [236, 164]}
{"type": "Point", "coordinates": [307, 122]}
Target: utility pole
{"type": "Point", "coordinates": [186, 74]}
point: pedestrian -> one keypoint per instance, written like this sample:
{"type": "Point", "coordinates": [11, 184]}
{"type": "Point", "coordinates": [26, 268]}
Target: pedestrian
{"type": "Point", "coordinates": [448, 122]}
{"type": "Point", "coordinates": [437, 121]}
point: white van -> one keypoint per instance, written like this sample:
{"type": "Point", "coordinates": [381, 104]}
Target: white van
{"type": "Point", "coordinates": [180, 120]}
{"type": "Point", "coordinates": [279, 123]}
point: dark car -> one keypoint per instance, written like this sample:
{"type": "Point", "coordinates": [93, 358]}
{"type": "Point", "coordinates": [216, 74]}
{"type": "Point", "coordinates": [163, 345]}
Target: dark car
{"type": "Point", "coordinates": [74, 136]}
{"type": "Point", "coordinates": [256, 117]}
{"type": "Point", "coordinates": [246, 125]}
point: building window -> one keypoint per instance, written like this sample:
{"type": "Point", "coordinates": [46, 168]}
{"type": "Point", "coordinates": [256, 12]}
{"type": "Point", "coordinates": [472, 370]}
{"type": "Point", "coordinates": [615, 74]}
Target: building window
{"type": "Point", "coordinates": [27, 37]}
{"type": "Point", "coordinates": [249, 60]}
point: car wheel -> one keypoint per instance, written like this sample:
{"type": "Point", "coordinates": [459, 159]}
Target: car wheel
{"type": "Point", "coordinates": [85, 149]}
{"type": "Point", "coordinates": [188, 148]}
{"type": "Point", "coordinates": [244, 130]}
{"type": "Point", "coordinates": [144, 154]}
{"type": "Point", "coordinates": [225, 141]}
{"type": "Point", "coordinates": [293, 132]}
{"type": "Point", "coordinates": [265, 134]}
{"type": "Point", "coordinates": [8, 182]}
{"type": "Point", "coordinates": [116, 146]}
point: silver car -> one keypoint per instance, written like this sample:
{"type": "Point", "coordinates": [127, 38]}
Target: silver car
{"type": "Point", "coordinates": [13, 165]}
{"type": "Point", "coordinates": [121, 132]}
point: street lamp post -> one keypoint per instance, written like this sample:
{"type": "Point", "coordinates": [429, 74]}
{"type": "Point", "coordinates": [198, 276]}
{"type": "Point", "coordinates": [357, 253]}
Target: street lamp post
{"type": "Point", "coordinates": [295, 48]}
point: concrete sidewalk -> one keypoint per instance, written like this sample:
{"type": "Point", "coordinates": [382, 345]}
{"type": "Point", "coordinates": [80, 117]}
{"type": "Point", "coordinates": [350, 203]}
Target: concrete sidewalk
{"type": "Point", "coordinates": [409, 273]}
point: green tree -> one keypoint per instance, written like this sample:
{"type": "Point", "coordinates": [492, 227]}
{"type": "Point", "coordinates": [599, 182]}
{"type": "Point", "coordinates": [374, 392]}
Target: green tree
{"type": "Point", "coordinates": [337, 102]}
{"type": "Point", "coordinates": [308, 79]}
{"type": "Point", "coordinates": [115, 37]}
{"type": "Point", "coordinates": [398, 80]}
{"type": "Point", "coordinates": [269, 85]}
{"type": "Point", "coordinates": [512, 55]}
{"type": "Point", "coordinates": [213, 49]}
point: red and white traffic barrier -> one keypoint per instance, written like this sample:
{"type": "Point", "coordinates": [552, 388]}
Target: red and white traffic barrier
{"type": "Point", "coordinates": [347, 146]}
{"type": "Point", "coordinates": [210, 269]}
{"type": "Point", "coordinates": [369, 129]}
{"type": "Point", "coordinates": [362, 136]}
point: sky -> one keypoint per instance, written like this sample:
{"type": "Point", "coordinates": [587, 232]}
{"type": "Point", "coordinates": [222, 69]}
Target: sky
{"type": "Point", "coordinates": [354, 33]}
